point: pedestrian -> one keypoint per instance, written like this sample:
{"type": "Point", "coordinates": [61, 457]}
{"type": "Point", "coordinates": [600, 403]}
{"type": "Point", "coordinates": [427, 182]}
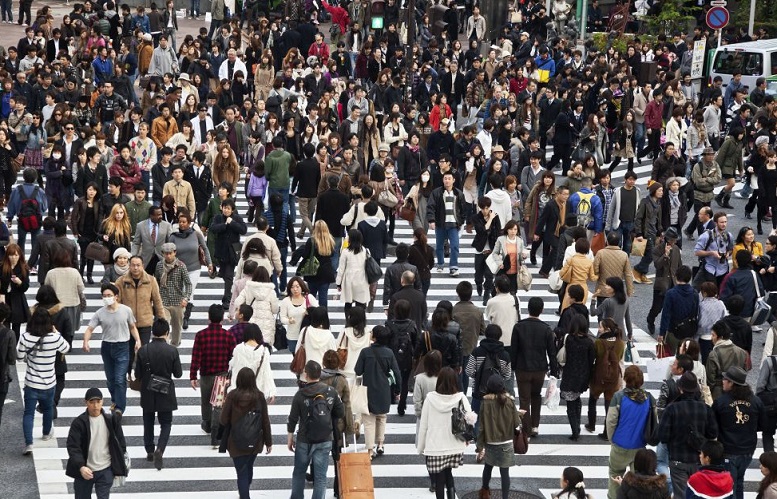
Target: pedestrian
{"type": "Point", "coordinates": [86, 214]}
{"type": "Point", "coordinates": [578, 270]}
{"type": "Point", "coordinates": [471, 322]}
{"type": "Point", "coordinates": [667, 258]}
{"type": "Point", "coordinates": [445, 213]}
{"type": "Point", "coordinates": [119, 268]}
{"type": "Point", "coordinates": [725, 355]}
{"type": "Point", "coordinates": [294, 308]}
{"type": "Point", "coordinates": [39, 346]}
{"type": "Point", "coordinates": [14, 283]}
{"type": "Point", "coordinates": [242, 408]}
{"type": "Point", "coordinates": [745, 282]}
{"type": "Point", "coordinates": [615, 307]}
{"type": "Point", "coordinates": [488, 228]}
{"type": "Point", "coordinates": [259, 294]}
{"type": "Point", "coordinates": [323, 247]}
{"type": "Point", "coordinates": [174, 288]}
{"type": "Point", "coordinates": [118, 325]}
{"type": "Point", "coordinates": [572, 485]}
{"type": "Point", "coordinates": [578, 370]}
{"type": "Point", "coordinates": [642, 481]}
{"type": "Point", "coordinates": [315, 408]}
{"type": "Point", "coordinates": [607, 373]}
{"type": "Point", "coordinates": [705, 175]}
{"type": "Point", "coordinates": [188, 246]}
{"type": "Point", "coordinates": [380, 371]}
{"type": "Point", "coordinates": [115, 231]}
{"type": "Point", "coordinates": [767, 489]}
{"type": "Point", "coordinates": [316, 338]}
{"type": "Point", "coordinates": [351, 275]}
{"type": "Point", "coordinates": [7, 356]}
{"type": "Point", "coordinates": [96, 449]}
{"type": "Point", "coordinates": [510, 251]}
{"type": "Point", "coordinates": [679, 319]}
{"type": "Point", "coordinates": [714, 247]}
{"type": "Point", "coordinates": [211, 352]}
{"type": "Point", "coordinates": [68, 284]}
{"type": "Point", "coordinates": [647, 226]}
{"type": "Point", "coordinates": [739, 414]}
{"type": "Point", "coordinates": [150, 235]}
{"type": "Point", "coordinates": [488, 358]}
{"type": "Point", "coordinates": [712, 478]}
{"type": "Point", "coordinates": [355, 337]}
{"type": "Point", "coordinates": [610, 261]}
{"type": "Point", "coordinates": [157, 364]}
{"type": "Point", "coordinates": [344, 427]}
{"type": "Point", "coordinates": [711, 310]}
{"type": "Point", "coordinates": [500, 418]}
{"type": "Point", "coordinates": [254, 354]}
{"type": "Point", "coordinates": [442, 449]}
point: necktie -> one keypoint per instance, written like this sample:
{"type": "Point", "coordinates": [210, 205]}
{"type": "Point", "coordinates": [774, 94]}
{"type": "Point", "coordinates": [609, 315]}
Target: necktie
{"type": "Point", "coordinates": [153, 233]}
{"type": "Point", "coordinates": [199, 172]}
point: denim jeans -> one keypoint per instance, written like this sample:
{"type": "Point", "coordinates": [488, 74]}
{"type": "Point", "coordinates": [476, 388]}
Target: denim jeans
{"type": "Point", "coordinates": [737, 465]}
{"type": "Point", "coordinates": [624, 230]}
{"type": "Point", "coordinates": [321, 292]}
{"type": "Point", "coordinates": [304, 454]}
{"type": "Point", "coordinates": [244, 466]}
{"type": "Point", "coordinates": [662, 455]}
{"type": "Point", "coordinates": [21, 237]}
{"type": "Point", "coordinates": [101, 483]}
{"type": "Point", "coordinates": [283, 192]}
{"type": "Point", "coordinates": [195, 8]}
{"type": "Point", "coordinates": [5, 5]}
{"type": "Point", "coordinates": [452, 235]}
{"type": "Point", "coordinates": [280, 282]}
{"type": "Point", "coordinates": [336, 254]}
{"type": "Point", "coordinates": [292, 345]}
{"type": "Point", "coordinates": [463, 378]}
{"type": "Point", "coordinates": [639, 135]}
{"type": "Point", "coordinates": [644, 264]}
{"type": "Point", "coordinates": [33, 397]}
{"type": "Point", "coordinates": [115, 362]}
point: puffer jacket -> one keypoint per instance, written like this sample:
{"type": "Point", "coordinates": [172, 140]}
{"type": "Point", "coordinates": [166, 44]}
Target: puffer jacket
{"type": "Point", "coordinates": [258, 360]}
{"type": "Point", "coordinates": [648, 221]}
{"type": "Point", "coordinates": [260, 296]}
{"type": "Point", "coordinates": [639, 486]}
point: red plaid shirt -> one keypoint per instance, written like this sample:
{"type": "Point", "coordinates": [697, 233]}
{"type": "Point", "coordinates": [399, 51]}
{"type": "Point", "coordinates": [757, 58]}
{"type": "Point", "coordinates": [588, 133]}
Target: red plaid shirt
{"type": "Point", "coordinates": [212, 351]}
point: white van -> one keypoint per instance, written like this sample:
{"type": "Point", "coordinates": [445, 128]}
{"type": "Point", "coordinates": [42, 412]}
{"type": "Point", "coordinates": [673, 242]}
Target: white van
{"type": "Point", "coordinates": [752, 59]}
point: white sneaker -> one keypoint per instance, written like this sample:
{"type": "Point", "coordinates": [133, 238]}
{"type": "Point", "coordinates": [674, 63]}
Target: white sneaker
{"type": "Point", "coordinates": [439, 269]}
{"type": "Point", "coordinates": [47, 437]}
{"type": "Point", "coordinates": [454, 272]}
{"type": "Point", "coordinates": [27, 450]}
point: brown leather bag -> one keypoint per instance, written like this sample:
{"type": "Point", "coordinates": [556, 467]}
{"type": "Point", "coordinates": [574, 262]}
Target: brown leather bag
{"type": "Point", "coordinates": [298, 363]}
{"type": "Point", "coordinates": [342, 353]}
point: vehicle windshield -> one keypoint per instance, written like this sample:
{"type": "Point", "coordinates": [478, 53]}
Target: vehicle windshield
{"type": "Point", "coordinates": [747, 63]}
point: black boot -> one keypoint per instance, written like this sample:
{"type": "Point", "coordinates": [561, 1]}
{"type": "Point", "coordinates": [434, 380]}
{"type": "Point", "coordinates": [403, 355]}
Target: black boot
{"type": "Point", "coordinates": [726, 203]}
{"type": "Point", "coordinates": [187, 313]}
{"type": "Point", "coordinates": [451, 492]}
{"type": "Point", "coordinates": [719, 198]}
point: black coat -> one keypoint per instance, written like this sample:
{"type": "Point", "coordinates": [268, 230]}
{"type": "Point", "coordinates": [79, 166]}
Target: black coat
{"type": "Point", "coordinates": [162, 360]}
{"type": "Point", "coordinates": [375, 238]}
{"type": "Point", "coordinates": [392, 280]}
{"type": "Point", "coordinates": [546, 223]}
{"type": "Point", "coordinates": [332, 205]}
{"type": "Point", "coordinates": [417, 301]}
{"type": "Point", "coordinates": [532, 344]}
{"type": "Point", "coordinates": [61, 320]}
{"type": "Point", "coordinates": [444, 342]}
{"type": "Point", "coordinates": [375, 363]}
{"type": "Point", "coordinates": [15, 295]}
{"type": "Point", "coordinates": [579, 368]}
{"type": "Point", "coordinates": [326, 272]}
{"type": "Point", "coordinates": [202, 187]}
{"type": "Point", "coordinates": [435, 207]}
{"type": "Point", "coordinates": [410, 164]}
{"type": "Point", "coordinates": [228, 234]}
{"type": "Point", "coordinates": [7, 357]}
{"type": "Point", "coordinates": [85, 175]}
{"type": "Point", "coordinates": [78, 444]}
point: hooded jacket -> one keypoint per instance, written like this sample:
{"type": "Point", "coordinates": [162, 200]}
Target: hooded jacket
{"type": "Point", "coordinates": [710, 482]}
{"type": "Point", "coordinates": [626, 419]}
{"type": "Point", "coordinates": [301, 402]}
{"type": "Point", "coordinates": [435, 436]}
{"type": "Point", "coordinates": [494, 349]}
{"type": "Point", "coordinates": [258, 360]}
{"type": "Point", "coordinates": [502, 420]}
{"type": "Point", "coordinates": [639, 486]}
{"type": "Point", "coordinates": [723, 356]}
{"type": "Point", "coordinates": [501, 205]}
{"type": "Point", "coordinates": [260, 296]}
{"type": "Point", "coordinates": [316, 343]}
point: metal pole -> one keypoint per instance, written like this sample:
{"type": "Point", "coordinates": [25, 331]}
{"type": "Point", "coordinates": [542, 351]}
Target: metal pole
{"type": "Point", "coordinates": [752, 18]}
{"type": "Point", "coordinates": [410, 42]}
{"type": "Point", "coordinates": [583, 26]}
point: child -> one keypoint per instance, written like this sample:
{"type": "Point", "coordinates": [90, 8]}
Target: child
{"type": "Point", "coordinates": [572, 486]}
{"type": "Point", "coordinates": [255, 190]}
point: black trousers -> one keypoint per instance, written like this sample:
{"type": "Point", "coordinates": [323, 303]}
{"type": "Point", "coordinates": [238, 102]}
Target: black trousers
{"type": "Point", "coordinates": [574, 411]}
{"type": "Point", "coordinates": [656, 306]}
{"type": "Point", "coordinates": [85, 263]}
{"type": "Point", "coordinates": [563, 153]}
{"type": "Point", "coordinates": [483, 275]}
{"type": "Point", "coordinates": [24, 10]}
{"type": "Point", "coordinates": [697, 205]}
{"type": "Point", "coordinates": [145, 337]}
{"type": "Point", "coordinates": [227, 272]}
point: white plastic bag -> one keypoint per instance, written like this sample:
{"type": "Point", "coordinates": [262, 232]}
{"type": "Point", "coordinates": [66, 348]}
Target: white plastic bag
{"type": "Point", "coordinates": [552, 395]}
{"type": "Point", "coordinates": [554, 281]}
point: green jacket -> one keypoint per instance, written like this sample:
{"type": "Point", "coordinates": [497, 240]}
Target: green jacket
{"type": "Point", "coordinates": [729, 156]}
{"type": "Point", "coordinates": [497, 421]}
{"type": "Point", "coordinates": [277, 166]}
{"type": "Point", "coordinates": [137, 212]}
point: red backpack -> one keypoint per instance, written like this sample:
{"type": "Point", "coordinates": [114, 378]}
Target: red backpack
{"type": "Point", "coordinates": [29, 210]}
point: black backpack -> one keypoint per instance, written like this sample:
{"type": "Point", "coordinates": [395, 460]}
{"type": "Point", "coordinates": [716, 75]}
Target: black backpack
{"type": "Point", "coordinates": [247, 432]}
{"type": "Point", "coordinates": [402, 345]}
{"type": "Point", "coordinates": [488, 368]}
{"type": "Point", "coordinates": [29, 210]}
{"type": "Point", "coordinates": [318, 425]}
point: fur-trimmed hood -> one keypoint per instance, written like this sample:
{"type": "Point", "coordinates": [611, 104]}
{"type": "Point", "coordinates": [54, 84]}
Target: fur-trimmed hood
{"type": "Point", "coordinates": [647, 483]}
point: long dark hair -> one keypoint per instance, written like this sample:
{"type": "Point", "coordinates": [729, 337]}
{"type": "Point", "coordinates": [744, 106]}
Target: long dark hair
{"type": "Point", "coordinates": [769, 461]}
{"type": "Point", "coordinates": [357, 320]}
{"type": "Point", "coordinates": [355, 241]}
{"type": "Point", "coordinates": [246, 385]}
{"type": "Point", "coordinates": [40, 323]}
{"type": "Point", "coordinates": [619, 293]}
{"type": "Point", "coordinates": [573, 476]}
{"type": "Point", "coordinates": [447, 382]}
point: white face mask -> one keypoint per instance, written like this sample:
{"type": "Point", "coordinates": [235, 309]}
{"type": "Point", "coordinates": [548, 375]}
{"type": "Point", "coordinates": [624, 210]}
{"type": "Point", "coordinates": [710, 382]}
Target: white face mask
{"type": "Point", "coordinates": [425, 178]}
{"type": "Point", "coordinates": [389, 173]}
{"type": "Point", "coordinates": [108, 300]}
{"type": "Point", "coordinates": [56, 156]}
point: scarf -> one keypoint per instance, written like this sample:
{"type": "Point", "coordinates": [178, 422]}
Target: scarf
{"type": "Point", "coordinates": [413, 149]}
{"type": "Point", "coordinates": [562, 208]}
{"type": "Point", "coordinates": [674, 199]}
{"type": "Point", "coordinates": [636, 394]}
{"type": "Point", "coordinates": [166, 269]}
{"type": "Point", "coordinates": [120, 271]}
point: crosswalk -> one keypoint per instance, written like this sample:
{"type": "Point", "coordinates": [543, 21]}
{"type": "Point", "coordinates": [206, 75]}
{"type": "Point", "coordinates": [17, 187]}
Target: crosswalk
{"type": "Point", "coordinates": [193, 470]}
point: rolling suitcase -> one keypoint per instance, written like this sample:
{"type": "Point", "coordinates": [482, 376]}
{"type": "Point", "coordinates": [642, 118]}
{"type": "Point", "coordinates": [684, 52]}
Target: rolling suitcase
{"type": "Point", "coordinates": [355, 474]}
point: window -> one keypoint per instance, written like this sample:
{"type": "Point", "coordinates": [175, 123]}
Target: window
{"type": "Point", "coordinates": [748, 63]}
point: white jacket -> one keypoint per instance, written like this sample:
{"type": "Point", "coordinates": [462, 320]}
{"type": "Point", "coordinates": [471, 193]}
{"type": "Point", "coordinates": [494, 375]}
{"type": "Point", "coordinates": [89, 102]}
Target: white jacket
{"type": "Point", "coordinates": [348, 339]}
{"type": "Point", "coordinates": [501, 205]}
{"type": "Point", "coordinates": [254, 358]}
{"type": "Point", "coordinates": [316, 343]}
{"type": "Point", "coordinates": [260, 296]}
{"type": "Point", "coordinates": [676, 133]}
{"type": "Point", "coordinates": [435, 437]}
{"type": "Point", "coordinates": [352, 278]}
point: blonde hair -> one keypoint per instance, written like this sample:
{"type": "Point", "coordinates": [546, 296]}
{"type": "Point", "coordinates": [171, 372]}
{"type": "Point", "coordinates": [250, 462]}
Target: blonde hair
{"type": "Point", "coordinates": [120, 230]}
{"type": "Point", "coordinates": [325, 243]}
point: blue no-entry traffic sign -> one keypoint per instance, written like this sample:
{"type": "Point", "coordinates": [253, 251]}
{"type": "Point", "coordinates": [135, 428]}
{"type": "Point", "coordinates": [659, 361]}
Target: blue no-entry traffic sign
{"type": "Point", "coordinates": [717, 17]}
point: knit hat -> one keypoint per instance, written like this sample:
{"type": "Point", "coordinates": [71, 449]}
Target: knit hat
{"type": "Point", "coordinates": [121, 252]}
{"type": "Point", "coordinates": [761, 140]}
{"type": "Point", "coordinates": [653, 186]}
{"type": "Point", "coordinates": [168, 247]}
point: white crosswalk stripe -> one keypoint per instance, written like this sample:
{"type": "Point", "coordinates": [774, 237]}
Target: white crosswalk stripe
{"type": "Point", "coordinates": [193, 470]}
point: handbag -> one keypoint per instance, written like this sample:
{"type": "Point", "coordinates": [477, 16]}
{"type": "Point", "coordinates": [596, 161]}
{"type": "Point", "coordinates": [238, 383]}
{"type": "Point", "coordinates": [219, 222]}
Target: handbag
{"type": "Point", "coordinates": [219, 392]}
{"type": "Point", "coordinates": [407, 211]}
{"type": "Point", "coordinates": [372, 269]}
{"type": "Point", "coordinates": [598, 242]}
{"type": "Point", "coordinates": [460, 427]}
{"type": "Point", "coordinates": [561, 355]}
{"type": "Point", "coordinates": [524, 277]}
{"type": "Point", "coordinates": [387, 197]}
{"type": "Point", "coordinates": [638, 247]}
{"type": "Point", "coordinates": [359, 400]}
{"type": "Point", "coordinates": [650, 424]}
{"type": "Point", "coordinates": [762, 309]}
{"type": "Point", "coordinates": [310, 267]}
{"type": "Point", "coordinates": [554, 281]}
{"type": "Point", "coordinates": [298, 362]}
{"type": "Point", "coordinates": [281, 341]}
{"type": "Point", "coordinates": [98, 252]}
{"type": "Point", "coordinates": [342, 353]}
{"type": "Point", "coordinates": [521, 436]}
{"type": "Point", "coordinates": [201, 255]}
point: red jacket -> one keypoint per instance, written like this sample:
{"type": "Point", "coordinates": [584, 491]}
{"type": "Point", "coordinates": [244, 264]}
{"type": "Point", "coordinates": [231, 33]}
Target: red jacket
{"type": "Point", "coordinates": [339, 16]}
{"type": "Point", "coordinates": [320, 51]}
{"type": "Point", "coordinates": [653, 115]}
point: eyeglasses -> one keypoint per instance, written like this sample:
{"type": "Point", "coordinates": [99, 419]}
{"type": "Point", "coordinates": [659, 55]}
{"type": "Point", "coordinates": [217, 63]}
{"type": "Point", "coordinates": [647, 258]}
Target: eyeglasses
{"type": "Point", "coordinates": [69, 128]}
{"type": "Point", "coordinates": [57, 114]}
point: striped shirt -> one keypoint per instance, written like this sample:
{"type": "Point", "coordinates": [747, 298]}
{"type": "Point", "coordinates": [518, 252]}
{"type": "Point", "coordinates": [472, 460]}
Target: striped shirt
{"type": "Point", "coordinates": [450, 207]}
{"type": "Point", "coordinates": [40, 358]}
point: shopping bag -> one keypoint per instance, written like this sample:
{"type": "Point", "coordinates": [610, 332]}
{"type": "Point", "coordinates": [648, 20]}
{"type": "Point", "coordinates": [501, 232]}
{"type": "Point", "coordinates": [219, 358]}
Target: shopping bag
{"type": "Point", "coordinates": [631, 354]}
{"type": "Point", "coordinates": [554, 281]}
{"type": "Point", "coordinates": [359, 404]}
{"type": "Point", "coordinates": [657, 367]}
{"type": "Point", "coordinates": [219, 391]}
{"type": "Point", "coordinates": [638, 247]}
{"type": "Point", "coordinates": [552, 395]}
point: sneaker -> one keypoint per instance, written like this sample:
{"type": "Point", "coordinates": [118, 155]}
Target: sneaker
{"type": "Point", "coordinates": [27, 450]}
{"type": "Point", "coordinates": [34, 271]}
{"type": "Point", "coordinates": [439, 269]}
{"type": "Point", "coordinates": [48, 436]}
{"type": "Point", "coordinates": [454, 272]}
{"type": "Point", "coordinates": [535, 432]}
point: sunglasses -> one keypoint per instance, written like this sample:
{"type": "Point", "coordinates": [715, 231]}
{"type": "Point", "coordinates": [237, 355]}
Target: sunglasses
{"type": "Point", "coordinates": [69, 128]}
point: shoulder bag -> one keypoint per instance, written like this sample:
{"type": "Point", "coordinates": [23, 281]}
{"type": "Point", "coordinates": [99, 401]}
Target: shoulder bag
{"type": "Point", "coordinates": [310, 267]}
{"type": "Point", "coordinates": [298, 363]}
{"type": "Point", "coordinates": [524, 276]}
{"type": "Point", "coordinates": [281, 341]}
{"type": "Point", "coordinates": [387, 197]}
{"type": "Point", "coordinates": [762, 309]}
{"type": "Point", "coordinates": [460, 428]}
{"type": "Point", "coordinates": [372, 269]}
{"type": "Point", "coordinates": [97, 252]}
{"type": "Point", "coordinates": [428, 341]}
{"type": "Point", "coordinates": [342, 352]}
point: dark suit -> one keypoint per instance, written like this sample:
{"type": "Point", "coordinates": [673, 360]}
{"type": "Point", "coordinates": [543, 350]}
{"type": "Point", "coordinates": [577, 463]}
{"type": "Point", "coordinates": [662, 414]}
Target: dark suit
{"type": "Point", "coordinates": [417, 305]}
{"type": "Point", "coordinates": [202, 187]}
{"type": "Point", "coordinates": [454, 90]}
{"type": "Point", "coordinates": [143, 246]}
{"type": "Point", "coordinates": [51, 50]}
{"type": "Point", "coordinates": [161, 359]}
{"type": "Point", "coordinates": [75, 146]}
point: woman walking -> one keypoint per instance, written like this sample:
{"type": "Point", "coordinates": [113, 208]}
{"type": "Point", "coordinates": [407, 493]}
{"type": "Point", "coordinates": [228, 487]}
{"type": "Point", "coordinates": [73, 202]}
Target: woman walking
{"type": "Point", "coordinates": [59, 179]}
{"type": "Point", "coordinates": [572, 486]}
{"type": "Point", "coordinates": [498, 420]}
{"type": "Point", "coordinates": [767, 489]}
{"type": "Point", "coordinates": [259, 294]}
{"type": "Point", "coordinates": [294, 307]}
{"type": "Point", "coordinates": [422, 256]}
{"type": "Point", "coordinates": [443, 450]}
{"type": "Point", "coordinates": [115, 231]}
{"type": "Point", "coordinates": [351, 276]}
{"type": "Point", "coordinates": [188, 244]}
{"type": "Point", "coordinates": [615, 306]}
{"type": "Point", "coordinates": [625, 142]}
{"type": "Point", "coordinates": [355, 337]}
{"type": "Point", "coordinates": [578, 270]}
{"type": "Point", "coordinates": [577, 371]}
{"type": "Point", "coordinates": [39, 346]}
{"type": "Point", "coordinates": [14, 283]}
{"type": "Point", "coordinates": [321, 246]}
{"type": "Point", "coordinates": [316, 339]}
{"type": "Point", "coordinates": [67, 283]}
{"type": "Point", "coordinates": [243, 402]}
{"type": "Point", "coordinates": [254, 354]}
{"type": "Point", "coordinates": [377, 365]}
{"type": "Point", "coordinates": [157, 360]}
{"type": "Point", "coordinates": [87, 213]}
{"type": "Point", "coordinates": [509, 249]}
{"type": "Point", "coordinates": [606, 378]}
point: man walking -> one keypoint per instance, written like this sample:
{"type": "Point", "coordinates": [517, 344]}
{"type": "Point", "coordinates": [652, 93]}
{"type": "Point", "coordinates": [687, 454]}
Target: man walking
{"type": "Point", "coordinates": [314, 407]}
{"type": "Point", "coordinates": [471, 323]}
{"type": "Point", "coordinates": [714, 249]}
{"type": "Point", "coordinates": [175, 287]}
{"type": "Point", "coordinates": [118, 325]}
{"type": "Point", "coordinates": [445, 214]}
{"type": "Point", "coordinates": [150, 236]}
{"type": "Point", "coordinates": [95, 449]}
